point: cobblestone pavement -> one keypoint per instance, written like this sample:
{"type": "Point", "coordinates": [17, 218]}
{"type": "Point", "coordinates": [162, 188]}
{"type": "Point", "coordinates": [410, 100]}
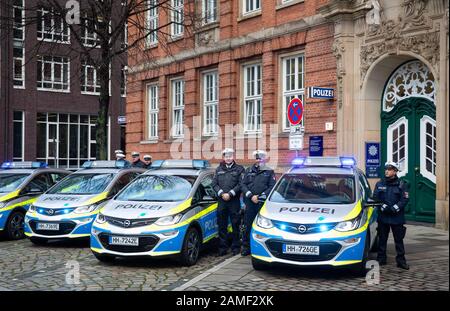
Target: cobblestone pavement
{"type": "Point", "coordinates": [24, 266]}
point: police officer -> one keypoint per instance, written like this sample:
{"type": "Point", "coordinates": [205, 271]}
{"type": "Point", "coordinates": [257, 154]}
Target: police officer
{"type": "Point", "coordinates": [136, 160]}
{"type": "Point", "coordinates": [117, 153]}
{"type": "Point", "coordinates": [256, 184]}
{"type": "Point", "coordinates": [393, 194]}
{"type": "Point", "coordinates": [120, 157]}
{"type": "Point", "coordinates": [226, 184]}
{"type": "Point", "coordinates": [147, 161]}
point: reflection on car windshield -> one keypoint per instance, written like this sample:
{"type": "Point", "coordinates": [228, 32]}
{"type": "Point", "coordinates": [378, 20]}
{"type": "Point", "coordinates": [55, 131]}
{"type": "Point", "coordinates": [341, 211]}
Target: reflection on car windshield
{"type": "Point", "coordinates": [10, 182]}
{"type": "Point", "coordinates": [315, 189]}
{"type": "Point", "coordinates": [82, 184]}
{"type": "Point", "coordinates": [157, 188]}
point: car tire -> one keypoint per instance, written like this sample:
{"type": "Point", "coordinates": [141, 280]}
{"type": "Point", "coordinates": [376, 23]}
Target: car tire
{"type": "Point", "coordinates": [104, 258]}
{"type": "Point", "coordinates": [15, 226]}
{"type": "Point", "coordinates": [259, 265]}
{"type": "Point", "coordinates": [191, 247]}
{"type": "Point", "coordinates": [38, 241]}
{"type": "Point", "coordinates": [360, 269]}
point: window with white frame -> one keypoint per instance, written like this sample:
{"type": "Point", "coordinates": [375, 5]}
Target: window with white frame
{"type": "Point", "coordinates": [152, 22]}
{"type": "Point", "coordinates": [18, 136]}
{"type": "Point", "coordinates": [153, 111]}
{"type": "Point", "coordinates": [210, 103]}
{"type": "Point", "coordinates": [19, 44]}
{"type": "Point", "coordinates": [89, 80]}
{"type": "Point", "coordinates": [123, 81]}
{"type": "Point", "coordinates": [89, 31]}
{"type": "Point", "coordinates": [209, 11]}
{"type": "Point", "coordinates": [397, 144]}
{"type": "Point", "coordinates": [252, 98]}
{"type": "Point", "coordinates": [52, 27]}
{"type": "Point", "coordinates": [177, 18]}
{"type": "Point", "coordinates": [293, 77]}
{"type": "Point", "coordinates": [428, 148]}
{"type": "Point", "coordinates": [251, 6]}
{"type": "Point", "coordinates": [177, 101]}
{"type": "Point", "coordinates": [53, 73]}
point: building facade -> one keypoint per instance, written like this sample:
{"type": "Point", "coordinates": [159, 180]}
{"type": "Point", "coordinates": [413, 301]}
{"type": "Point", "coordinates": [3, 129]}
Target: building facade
{"type": "Point", "coordinates": [239, 69]}
{"type": "Point", "coordinates": [48, 96]}
{"type": "Point", "coordinates": [393, 88]}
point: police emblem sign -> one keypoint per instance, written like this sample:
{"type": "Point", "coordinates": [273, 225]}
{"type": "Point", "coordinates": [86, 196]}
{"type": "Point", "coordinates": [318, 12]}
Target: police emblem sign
{"type": "Point", "coordinates": [373, 159]}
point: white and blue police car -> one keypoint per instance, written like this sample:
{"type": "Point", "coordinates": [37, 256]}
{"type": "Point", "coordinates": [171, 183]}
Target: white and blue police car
{"type": "Point", "coordinates": [68, 209]}
{"type": "Point", "coordinates": [318, 214]}
{"type": "Point", "coordinates": [168, 211]}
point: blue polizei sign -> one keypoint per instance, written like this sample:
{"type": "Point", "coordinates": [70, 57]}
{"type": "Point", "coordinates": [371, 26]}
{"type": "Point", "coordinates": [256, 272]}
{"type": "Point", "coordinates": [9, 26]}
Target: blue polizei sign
{"type": "Point", "coordinates": [316, 146]}
{"type": "Point", "coordinates": [320, 92]}
{"type": "Point", "coordinates": [373, 157]}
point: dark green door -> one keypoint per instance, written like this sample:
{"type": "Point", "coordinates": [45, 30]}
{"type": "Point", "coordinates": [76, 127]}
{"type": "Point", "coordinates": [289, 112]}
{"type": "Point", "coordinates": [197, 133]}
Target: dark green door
{"type": "Point", "coordinates": [408, 134]}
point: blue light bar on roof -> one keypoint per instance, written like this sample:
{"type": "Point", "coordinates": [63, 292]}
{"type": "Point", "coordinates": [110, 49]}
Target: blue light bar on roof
{"type": "Point", "coordinates": [196, 164]}
{"type": "Point", "coordinates": [25, 164]}
{"type": "Point", "coordinates": [347, 161]}
{"type": "Point", "coordinates": [298, 162]}
{"type": "Point", "coordinates": [105, 164]}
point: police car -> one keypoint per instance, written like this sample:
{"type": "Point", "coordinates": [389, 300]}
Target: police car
{"type": "Point", "coordinates": [168, 211]}
{"type": "Point", "coordinates": [319, 213]}
{"type": "Point", "coordinates": [68, 209]}
{"type": "Point", "coordinates": [20, 185]}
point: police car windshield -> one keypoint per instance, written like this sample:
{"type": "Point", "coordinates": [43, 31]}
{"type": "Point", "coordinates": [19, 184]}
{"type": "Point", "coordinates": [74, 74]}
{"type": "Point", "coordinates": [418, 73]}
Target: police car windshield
{"type": "Point", "coordinates": [157, 188]}
{"type": "Point", "coordinates": [315, 189]}
{"type": "Point", "coordinates": [10, 182]}
{"type": "Point", "coordinates": [82, 184]}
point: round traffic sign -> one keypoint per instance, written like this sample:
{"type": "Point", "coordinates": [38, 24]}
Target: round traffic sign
{"type": "Point", "coordinates": [295, 111]}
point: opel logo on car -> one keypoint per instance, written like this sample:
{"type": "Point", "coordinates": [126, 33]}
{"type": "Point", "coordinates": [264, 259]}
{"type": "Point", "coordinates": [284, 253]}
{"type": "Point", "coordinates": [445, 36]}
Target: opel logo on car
{"type": "Point", "coordinates": [50, 212]}
{"type": "Point", "coordinates": [127, 223]}
{"type": "Point", "coordinates": [302, 229]}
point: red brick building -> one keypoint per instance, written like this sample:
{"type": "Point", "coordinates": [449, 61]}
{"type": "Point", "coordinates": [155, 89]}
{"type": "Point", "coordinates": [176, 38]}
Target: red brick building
{"type": "Point", "coordinates": [240, 67]}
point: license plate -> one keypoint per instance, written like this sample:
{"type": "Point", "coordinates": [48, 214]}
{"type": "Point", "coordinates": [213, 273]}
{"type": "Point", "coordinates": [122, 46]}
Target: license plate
{"type": "Point", "coordinates": [47, 226]}
{"type": "Point", "coordinates": [124, 240]}
{"type": "Point", "coordinates": [301, 249]}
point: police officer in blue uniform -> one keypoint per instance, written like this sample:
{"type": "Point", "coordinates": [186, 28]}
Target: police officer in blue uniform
{"type": "Point", "coordinates": [256, 184]}
{"type": "Point", "coordinates": [393, 194]}
{"type": "Point", "coordinates": [226, 184]}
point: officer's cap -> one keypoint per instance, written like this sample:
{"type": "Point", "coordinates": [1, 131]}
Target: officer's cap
{"type": "Point", "coordinates": [227, 151]}
{"type": "Point", "coordinates": [135, 154]}
{"type": "Point", "coordinates": [120, 155]}
{"type": "Point", "coordinates": [118, 151]}
{"type": "Point", "coordinates": [147, 157]}
{"type": "Point", "coordinates": [391, 165]}
{"type": "Point", "coordinates": [259, 154]}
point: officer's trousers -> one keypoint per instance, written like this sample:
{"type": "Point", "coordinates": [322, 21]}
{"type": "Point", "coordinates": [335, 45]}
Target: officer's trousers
{"type": "Point", "coordinates": [399, 232]}
{"type": "Point", "coordinates": [251, 210]}
{"type": "Point", "coordinates": [229, 210]}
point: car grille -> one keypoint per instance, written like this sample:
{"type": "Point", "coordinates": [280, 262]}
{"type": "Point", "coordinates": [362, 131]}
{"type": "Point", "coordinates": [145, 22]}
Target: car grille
{"type": "Point", "coordinates": [307, 228]}
{"type": "Point", "coordinates": [327, 250]}
{"type": "Point", "coordinates": [64, 228]}
{"type": "Point", "coordinates": [129, 223]}
{"type": "Point", "coordinates": [54, 211]}
{"type": "Point", "coordinates": [146, 244]}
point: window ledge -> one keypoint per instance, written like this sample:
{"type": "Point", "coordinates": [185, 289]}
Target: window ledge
{"type": "Point", "coordinates": [208, 26]}
{"type": "Point", "coordinates": [176, 38]}
{"type": "Point", "coordinates": [288, 4]}
{"type": "Point", "coordinates": [249, 15]}
{"type": "Point", "coordinates": [52, 90]}
{"type": "Point", "coordinates": [151, 46]}
{"type": "Point", "coordinates": [149, 141]}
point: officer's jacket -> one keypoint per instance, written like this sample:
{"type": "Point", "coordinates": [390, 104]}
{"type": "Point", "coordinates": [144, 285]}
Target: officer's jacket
{"type": "Point", "coordinates": [392, 192]}
{"type": "Point", "coordinates": [138, 164]}
{"type": "Point", "coordinates": [257, 181]}
{"type": "Point", "coordinates": [227, 180]}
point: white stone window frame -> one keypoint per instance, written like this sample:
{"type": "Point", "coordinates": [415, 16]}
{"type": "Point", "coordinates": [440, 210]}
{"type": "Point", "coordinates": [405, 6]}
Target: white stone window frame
{"type": "Point", "coordinates": [396, 125]}
{"type": "Point", "coordinates": [246, 10]}
{"type": "Point", "coordinates": [298, 90]}
{"type": "Point", "coordinates": [84, 83]}
{"type": "Point", "coordinates": [177, 107]}
{"type": "Point", "coordinates": [210, 10]}
{"type": "Point", "coordinates": [152, 111]}
{"type": "Point", "coordinates": [152, 21]}
{"type": "Point", "coordinates": [19, 40]}
{"type": "Point", "coordinates": [41, 34]}
{"type": "Point", "coordinates": [52, 62]}
{"type": "Point", "coordinates": [254, 97]}
{"type": "Point", "coordinates": [423, 146]}
{"type": "Point", "coordinates": [210, 100]}
{"type": "Point", "coordinates": [177, 18]}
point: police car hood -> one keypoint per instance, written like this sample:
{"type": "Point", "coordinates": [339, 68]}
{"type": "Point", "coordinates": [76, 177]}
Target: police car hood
{"type": "Point", "coordinates": [64, 201]}
{"type": "Point", "coordinates": [139, 209]}
{"type": "Point", "coordinates": [307, 213]}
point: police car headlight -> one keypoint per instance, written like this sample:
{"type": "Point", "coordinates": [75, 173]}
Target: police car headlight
{"type": "Point", "coordinates": [263, 222]}
{"type": "Point", "coordinates": [352, 224]}
{"type": "Point", "coordinates": [86, 209]}
{"type": "Point", "coordinates": [101, 219]}
{"type": "Point", "coordinates": [31, 209]}
{"type": "Point", "coordinates": [169, 220]}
